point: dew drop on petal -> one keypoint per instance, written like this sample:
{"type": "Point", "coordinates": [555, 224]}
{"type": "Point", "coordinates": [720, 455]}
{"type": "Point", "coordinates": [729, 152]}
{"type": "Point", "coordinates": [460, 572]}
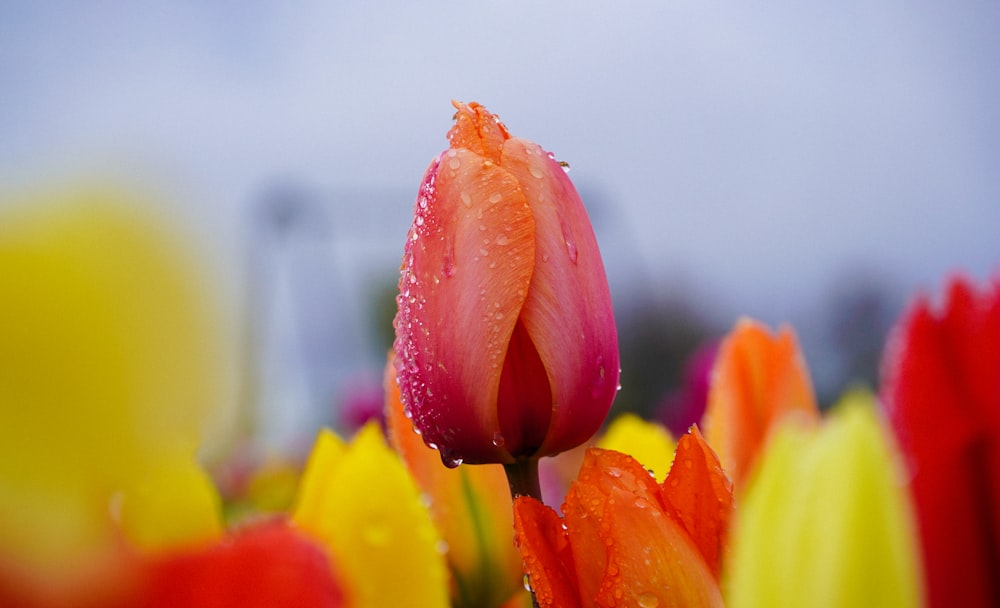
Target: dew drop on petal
{"type": "Point", "coordinates": [449, 459]}
{"type": "Point", "coordinates": [536, 172]}
{"type": "Point", "coordinates": [495, 197]}
{"type": "Point", "coordinates": [572, 251]}
{"type": "Point", "coordinates": [498, 439]}
{"type": "Point", "coordinates": [648, 600]}
{"type": "Point", "coordinates": [466, 199]}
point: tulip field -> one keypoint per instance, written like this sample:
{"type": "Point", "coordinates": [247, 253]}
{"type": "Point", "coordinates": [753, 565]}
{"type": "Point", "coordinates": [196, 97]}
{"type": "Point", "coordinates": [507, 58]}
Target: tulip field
{"type": "Point", "coordinates": [497, 474]}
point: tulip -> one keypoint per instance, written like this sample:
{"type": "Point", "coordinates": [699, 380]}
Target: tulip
{"type": "Point", "coordinates": [826, 520]}
{"type": "Point", "coordinates": [266, 564]}
{"type": "Point", "coordinates": [505, 338]}
{"type": "Point", "coordinates": [360, 502]}
{"type": "Point", "coordinates": [941, 387]}
{"type": "Point", "coordinates": [471, 509]}
{"type": "Point", "coordinates": [625, 540]}
{"type": "Point", "coordinates": [758, 380]}
{"type": "Point", "coordinates": [109, 378]}
{"type": "Point", "coordinates": [648, 442]}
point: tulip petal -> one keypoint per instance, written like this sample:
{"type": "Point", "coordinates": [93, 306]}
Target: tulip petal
{"type": "Point", "coordinates": [651, 559]}
{"type": "Point", "coordinates": [942, 389]}
{"type": "Point", "coordinates": [370, 517]}
{"type": "Point", "coordinates": [701, 496]}
{"type": "Point", "coordinates": [548, 559]}
{"type": "Point", "coordinates": [471, 508]}
{"type": "Point", "coordinates": [467, 267]}
{"type": "Point", "coordinates": [827, 521]}
{"type": "Point", "coordinates": [626, 546]}
{"type": "Point", "coordinates": [758, 379]}
{"type": "Point", "coordinates": [266, 565]}
{"type": "Point", "coordinates": [648, 442]}
{"type": "Point", "coordinates": [478, 130]}
{"type": "Point", "coordinates": [173, 505]}
{"type": "Point", "coordinates": [568, 312]}
{"type": "Point", "coordinates": [586, 506]}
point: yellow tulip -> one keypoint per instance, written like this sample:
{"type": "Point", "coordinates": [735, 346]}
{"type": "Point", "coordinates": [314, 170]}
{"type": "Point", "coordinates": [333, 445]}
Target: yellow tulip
{"type": "Point", "coordinates": [109, 376]}
{"type": "Point", "coordinates": [648, 442]}
{"type": "Point", "coordinates": [826, 521]}
{"type": "Point", "coordinates": [361, 503]}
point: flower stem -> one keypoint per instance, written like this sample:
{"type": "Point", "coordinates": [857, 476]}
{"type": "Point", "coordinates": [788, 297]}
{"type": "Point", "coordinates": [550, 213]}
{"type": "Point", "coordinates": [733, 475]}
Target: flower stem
{"type": "Point", "coordinates": [522, 477]}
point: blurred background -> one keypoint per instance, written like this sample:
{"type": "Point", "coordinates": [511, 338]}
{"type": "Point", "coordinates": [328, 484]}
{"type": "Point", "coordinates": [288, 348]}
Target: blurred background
{"type": "Point", "coordinates": [800, 164]}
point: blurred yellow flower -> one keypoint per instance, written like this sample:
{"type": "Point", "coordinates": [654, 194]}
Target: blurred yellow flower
{"type": "Point", "coordinates": [109, 374]}
{"type": "Point", "coordinates": [648, 442]}
{"type": "Point", "coordinates": [826, 521]}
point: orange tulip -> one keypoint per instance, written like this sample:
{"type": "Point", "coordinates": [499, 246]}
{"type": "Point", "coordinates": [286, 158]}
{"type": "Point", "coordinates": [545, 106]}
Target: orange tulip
{"type": "Point", "coordinates": [626, 540]}
{"type": "Point", "coordinates": [506, 342]}
{"type": "Point", "coordinates": [758, 379]}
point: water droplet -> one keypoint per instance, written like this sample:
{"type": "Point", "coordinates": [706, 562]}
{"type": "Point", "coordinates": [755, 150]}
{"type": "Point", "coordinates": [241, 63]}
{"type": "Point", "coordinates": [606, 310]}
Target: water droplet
{"type": "Point", "coordinates": [498, 439]}
{"type": "Point", "coordinates": [455, 163]}
{"type": "Point", "coordinates": [498, 316]}
{"type": "Point", "coordinates": [545, 257]}
{"type": "Point", "coordinates": [536, 172]}
{"type": "Point", "coordinates": [420, 220]}
{"type": "Point", "coordinates": [571, 250]}
{"type": "Point", "coordinates": [466, 199]}
{"type": "Point", "coordinates": [648, 600]}
{"type": "Point", "coordinates": [483, 252]}
{"type": "Point", "coordinates": [501, 239]}
{"type": "Point", "coordinates": [449, 458]}
{"type": "Point", "coordinates": [449, 260]}
{"type": "Point", "coordinates": [495, 197]}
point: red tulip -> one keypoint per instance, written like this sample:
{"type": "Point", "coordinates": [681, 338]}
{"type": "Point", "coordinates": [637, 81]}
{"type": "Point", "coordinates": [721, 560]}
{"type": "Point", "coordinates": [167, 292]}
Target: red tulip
{"type": "Point", "coordinates": [506, 342]}
{"type": "Point", "coordinates": [266, 564]}
{"type": "Point", "coordinates": [942, 390]}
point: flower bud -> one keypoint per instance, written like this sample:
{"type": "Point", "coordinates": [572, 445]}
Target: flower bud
{"type": "Point", "coordinates": [505, 336]}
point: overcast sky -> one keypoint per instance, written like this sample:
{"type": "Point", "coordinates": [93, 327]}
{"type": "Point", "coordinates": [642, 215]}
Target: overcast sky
{"type": "Point", "coordinates": [756, 151]}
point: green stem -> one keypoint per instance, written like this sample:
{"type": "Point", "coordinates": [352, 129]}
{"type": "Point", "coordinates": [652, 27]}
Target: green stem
{"type": "Point", "coordinates": [522, 477]}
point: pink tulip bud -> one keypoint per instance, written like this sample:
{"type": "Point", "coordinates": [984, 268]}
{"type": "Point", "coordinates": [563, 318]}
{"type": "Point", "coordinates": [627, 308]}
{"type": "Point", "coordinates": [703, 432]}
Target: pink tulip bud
{"type": "Point", "coordinates": [505, 337]}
